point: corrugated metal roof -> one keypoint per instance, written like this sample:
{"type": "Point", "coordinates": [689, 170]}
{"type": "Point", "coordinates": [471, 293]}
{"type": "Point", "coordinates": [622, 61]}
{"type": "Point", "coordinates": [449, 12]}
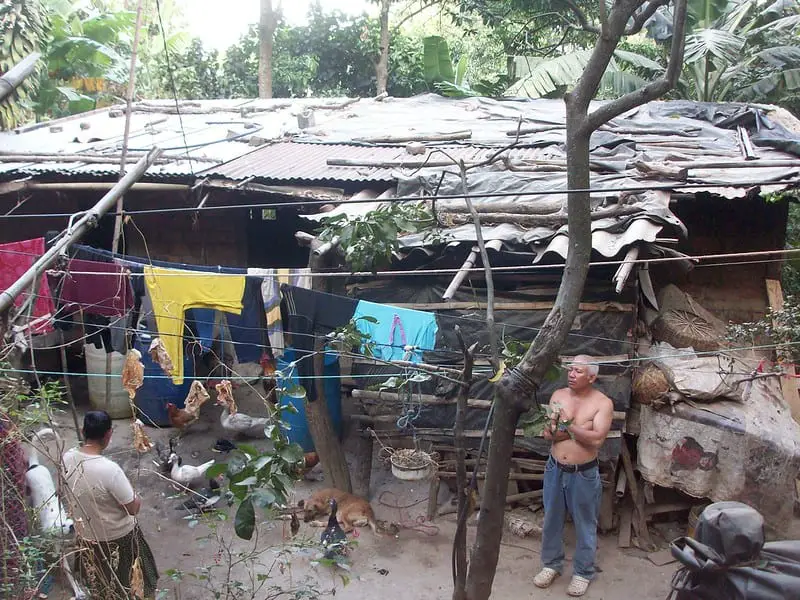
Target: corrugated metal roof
{"type": "Point", "coordinates": [306, 162]}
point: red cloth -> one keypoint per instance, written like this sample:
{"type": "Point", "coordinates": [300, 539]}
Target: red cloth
{"type": "Point", "coordinates": [105, 288]}
{"type": "Point", "coordinates": [15, 259]}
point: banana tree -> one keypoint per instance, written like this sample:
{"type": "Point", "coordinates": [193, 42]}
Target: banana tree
{"type": "Point", "coordinates": [86, 57]}
{"type": "Point", "coordinates": [741, 50]}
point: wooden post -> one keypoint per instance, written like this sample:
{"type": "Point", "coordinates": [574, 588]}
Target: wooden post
{"type": "Point", "coordinates": [67, 387]}
{"type": "Point", "coordinates": [638, 500]}
{"type": "Point", "coordinates": [325, 439]}
{"type": "Point", "coordinates": [788, 381]}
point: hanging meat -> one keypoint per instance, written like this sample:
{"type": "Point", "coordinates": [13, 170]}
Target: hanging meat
{"type": "Point", "coordinates": [141, 442]}
{"type": "Point", "coordinates": [196, 398]}
{"type": "Point", "coordinates": [225, 396]}
{"type": "Point", "coordinates": [160, 356]}
{"type": "Point", "coordinates": [133, 372]}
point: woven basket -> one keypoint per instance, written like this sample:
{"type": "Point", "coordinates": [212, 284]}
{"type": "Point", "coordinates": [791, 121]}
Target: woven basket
{"type": "Point", "coordinates": [682, 329]}
{"type": "Point", "coordinates": [649, 384]}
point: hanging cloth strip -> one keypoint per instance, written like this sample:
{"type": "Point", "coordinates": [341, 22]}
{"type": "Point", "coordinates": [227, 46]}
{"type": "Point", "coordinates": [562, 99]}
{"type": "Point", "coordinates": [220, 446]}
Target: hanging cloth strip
{"type": "Point", "coordinates": [15, 259]}
{"type": "Point", "coordinates": [398, 332]}
{"type": "Point", "coordinates": [272, 279]}
{"type": "Point", "coordinates": [173, 291]}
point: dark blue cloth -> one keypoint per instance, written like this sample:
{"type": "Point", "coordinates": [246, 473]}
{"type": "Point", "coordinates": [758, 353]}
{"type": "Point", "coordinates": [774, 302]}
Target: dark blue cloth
{"type": "Point", "coordinates": [249, 329]}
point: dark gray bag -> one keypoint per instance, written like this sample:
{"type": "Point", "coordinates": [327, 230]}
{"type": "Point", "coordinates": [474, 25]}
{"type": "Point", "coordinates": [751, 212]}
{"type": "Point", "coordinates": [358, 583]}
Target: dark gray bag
{"type": "Point", "coordinates": [728, 559]}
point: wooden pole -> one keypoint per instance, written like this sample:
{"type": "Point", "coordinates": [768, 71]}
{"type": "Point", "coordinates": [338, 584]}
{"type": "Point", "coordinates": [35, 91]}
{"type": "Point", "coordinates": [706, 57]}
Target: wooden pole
{"type": "Point", "coordinates": [127, 132]}
{"type": "Point", "coordinates": [17, 74]}
{"type": "Point", "coordinates": [67, 387]}
{"type": "Point", "coordinates": [325, 439]}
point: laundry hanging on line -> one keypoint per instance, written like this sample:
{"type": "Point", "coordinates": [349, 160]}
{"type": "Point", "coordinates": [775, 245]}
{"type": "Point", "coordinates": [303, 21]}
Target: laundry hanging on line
{"type": "Point", "coordinates": [400, 333]}
{"type": "Point", "coordinates": [247, 331]}
{"type": "Point", "coordinates": [172, 292]}
{"type": "Point", "coordinates": [307, 313]}
{"type": "Point", "coordinates": [15, 259]}
{"type": "Point", "coordinates": [272, 279]}
{"type": "Point", "coordinates": [97, 288]}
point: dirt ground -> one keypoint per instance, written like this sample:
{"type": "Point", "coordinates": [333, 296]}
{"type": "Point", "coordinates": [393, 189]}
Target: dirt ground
{"type": "Point", "coordinates": [413, 564]}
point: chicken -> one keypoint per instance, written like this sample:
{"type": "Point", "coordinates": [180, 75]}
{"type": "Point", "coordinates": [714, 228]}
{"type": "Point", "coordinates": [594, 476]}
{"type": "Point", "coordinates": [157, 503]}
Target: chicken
{"type": "Point", "coordinates": [234, 421]}
{"type": "Point", "coordinates": [186, 474]}
{"type": "Point", "coordinates": [333, 539]}
{"type": "Point", "coordinates": [162, 457]}
{"type": "Point", "coordinates": [180, 418]}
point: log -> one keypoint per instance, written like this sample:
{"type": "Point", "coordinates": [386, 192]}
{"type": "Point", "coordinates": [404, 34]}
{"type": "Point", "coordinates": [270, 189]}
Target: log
{"type": "Point", "coordinates": [389, 164]}
{"type": "Point", "coordinates": [482, 475]}
{"type": "Point", "coordinates": [638, 500]}
{"type": "Point", "coordinates": [83, 158]}
{"type": "Point", "coordinates": [433, 497]}
{"type": "Point", "coordinates": [469, 305]}
{"type": "Point", "coordinates": [625, 522]}
{"type": "Point", "coordinates": [625, 269]}
{"type": "Point", "coordinates": [556, 219]}
{"type": "Point", "coordinates": [459, 277]}
{"type": "Point", "coordinates": [470, 433]}
{"type": "Point", "coordinates": [534, 129]}
{"type": "Point", "coordinates": [540, 206]}
{"type": "Point", "coordinates": [362, 453]}
{"type": "Point", "coordinates": [662, 171]}
{"type": "Point", "coordinates": [534, 495]}
{"type": "Point", "coordinates": [422, 137]}
{"type": "Point", "coordinates": [788, 381]}
{"type": "Point", "coordinates": [606, 519]}
{"type": "Point", "coordinates": [97, 186]}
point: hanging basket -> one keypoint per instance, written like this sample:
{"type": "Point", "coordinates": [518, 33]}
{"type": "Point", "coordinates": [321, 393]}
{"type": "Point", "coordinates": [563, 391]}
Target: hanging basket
{"type": "Point", "coordinates": [409, 464]}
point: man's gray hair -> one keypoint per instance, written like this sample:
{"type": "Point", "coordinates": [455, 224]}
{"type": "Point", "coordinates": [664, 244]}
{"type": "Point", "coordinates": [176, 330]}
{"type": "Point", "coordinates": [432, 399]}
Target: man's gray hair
{"type": "Point", "coordinates": [591, 364]}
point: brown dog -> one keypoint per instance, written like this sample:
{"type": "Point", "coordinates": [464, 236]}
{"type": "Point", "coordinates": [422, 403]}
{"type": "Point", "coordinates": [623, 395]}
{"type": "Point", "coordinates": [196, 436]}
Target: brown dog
{"type": "Point", "coordinates": [353, 511]}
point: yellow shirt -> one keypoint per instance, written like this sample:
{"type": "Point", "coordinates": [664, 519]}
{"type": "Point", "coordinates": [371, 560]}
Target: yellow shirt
{"type": "Point", "coordinates": [173, 291]}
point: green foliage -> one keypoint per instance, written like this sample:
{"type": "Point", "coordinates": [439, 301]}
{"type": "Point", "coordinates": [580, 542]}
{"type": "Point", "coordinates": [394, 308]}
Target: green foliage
{"type": "Point", "coordinates": [195, 70]}
{"type": "Point", "coordinates": [369, 240]}
{"type": "Point", "coordinates": [333, 55]}
{"type": "Point", "coordinates": [791, 270]}
{"type": "Point", "coordinates": [779, 327]}
{"type": "Point", "coordinates": [348, 338]}
{"type": "Point", "coordinates": [23, 30]}
{"type": "Point", "coordinates": [438, 64]}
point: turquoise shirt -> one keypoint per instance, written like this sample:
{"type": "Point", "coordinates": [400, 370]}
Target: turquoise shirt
{"type": "Point", "coordinates": [396, 329]}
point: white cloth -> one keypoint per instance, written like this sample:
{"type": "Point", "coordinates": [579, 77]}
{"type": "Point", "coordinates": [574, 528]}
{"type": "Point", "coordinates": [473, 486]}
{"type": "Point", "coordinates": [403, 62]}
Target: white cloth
{"type": "Point", "coordinates": [271, 294]}
{"type": "Point", "coordinates": [99, 490]}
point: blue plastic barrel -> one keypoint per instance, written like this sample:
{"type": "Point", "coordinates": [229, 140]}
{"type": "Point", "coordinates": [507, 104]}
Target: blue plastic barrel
{"type": "Point", "coordinates": [299, 432]}
{"type": "Point", "coordinates": [157, 389]}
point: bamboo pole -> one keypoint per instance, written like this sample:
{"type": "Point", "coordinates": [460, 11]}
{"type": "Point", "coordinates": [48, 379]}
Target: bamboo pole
{"type": "Point", "coordinates": [127, 132]}
{"type": "Point", "coordinates": [12, 78]}
{"type": "Point", "coordinates": [87, 221]}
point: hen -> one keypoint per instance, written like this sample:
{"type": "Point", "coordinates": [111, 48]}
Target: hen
{"type": "Point", "coordinates": [333, 539]}
{"type": "Point", "coordinates": [180, 418]}
{"type": "Point", "coordinates": [234, 421]}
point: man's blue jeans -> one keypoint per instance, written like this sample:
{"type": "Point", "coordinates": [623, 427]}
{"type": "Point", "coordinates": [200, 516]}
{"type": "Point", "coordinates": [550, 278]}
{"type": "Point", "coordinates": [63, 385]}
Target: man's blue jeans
{"type": "Point", "coordinates": [579, 493]}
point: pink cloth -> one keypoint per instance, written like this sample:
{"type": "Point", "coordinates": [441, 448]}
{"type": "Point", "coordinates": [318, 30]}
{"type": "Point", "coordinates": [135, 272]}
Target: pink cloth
{"type": "Point", "coordinates": [15, 259]}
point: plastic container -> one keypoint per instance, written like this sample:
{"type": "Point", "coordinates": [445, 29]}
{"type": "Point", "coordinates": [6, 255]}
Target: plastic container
{"type": "Point", "coordinates": [298, 431]}
{"type": "Point", "coordinates": [118, 405]}
{"type": "Point", "coordinates": [157, 390]}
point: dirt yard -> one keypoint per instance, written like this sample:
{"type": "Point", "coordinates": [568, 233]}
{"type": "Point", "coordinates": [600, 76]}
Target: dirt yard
{"type": "Point", "coordinates": [414, 564]}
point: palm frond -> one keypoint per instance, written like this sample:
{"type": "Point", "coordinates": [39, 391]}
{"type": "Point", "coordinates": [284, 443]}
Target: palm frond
{"type": "Point", "coordinates": [716, 43]}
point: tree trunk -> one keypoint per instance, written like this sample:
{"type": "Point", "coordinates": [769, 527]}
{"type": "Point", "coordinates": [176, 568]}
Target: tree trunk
{"type": "Point", "coordinates": [326, 443]}
{"type": "Point", "coordinates": [382, 66]}
{"type": "Point", "coordinates": [517, 388]}
{"type": "Point", "coordinates": [266, 38]}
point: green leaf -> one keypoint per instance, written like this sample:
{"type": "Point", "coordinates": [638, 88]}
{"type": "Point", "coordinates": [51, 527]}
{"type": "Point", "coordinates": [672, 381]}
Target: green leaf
{"type": "Point", "coordinates": [262, 461]}
{"type": "Point", "coordinates": [263, 497]}
{"type": "Point", "coordinates": [292, 453]}
{"type": "Point", "coordinates": [436, 58]}
{"type": "Point", "coordinates": [236, 464]}
{"type": "Point", "coordinates": [216, 470]}
{"type": "Point", "coordinates": [252, 480]}
{"type": "Point", "coordinates": [249, 450]}
{"type": "Point", "coordinates": [713, 43]}
{"type": "Point", "coordinates": [368, 319]}
{"type": "Point", "coordinates": [245, 522]}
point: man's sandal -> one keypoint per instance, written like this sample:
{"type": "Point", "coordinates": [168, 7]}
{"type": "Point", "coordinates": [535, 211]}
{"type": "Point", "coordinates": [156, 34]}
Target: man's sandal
{"type": "Point", "coordinates": [545, 577]}
{"type": "Point", "coordinates": [578, 586]}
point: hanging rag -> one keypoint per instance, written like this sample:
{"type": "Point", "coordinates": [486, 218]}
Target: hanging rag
{"type": "Point", "coordinates": [271, 281]}
{"type": "Point", "coordinates": [15, 259]}
{"type": "Point", "coordinates": [307, 313]}
{"type": "Point", "coordinates": [173, 291]}
{"type": "Point", "coordinates": [98, 288]}
{"type": "Point", "coordinates": [248, 330]}
{"type": "Point", "coordinates": [396, 329]}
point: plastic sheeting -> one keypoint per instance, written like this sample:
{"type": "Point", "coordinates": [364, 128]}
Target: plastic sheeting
{"type": "Point", "coordinates": [726, 450]}
{"type": "Point", "coordinates": [594, 333]}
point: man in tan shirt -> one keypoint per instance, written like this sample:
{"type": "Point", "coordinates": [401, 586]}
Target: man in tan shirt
{"type": "Point", "coordinates": [104, 508]}
{"type": "Point", "coordinates": [572, 477]}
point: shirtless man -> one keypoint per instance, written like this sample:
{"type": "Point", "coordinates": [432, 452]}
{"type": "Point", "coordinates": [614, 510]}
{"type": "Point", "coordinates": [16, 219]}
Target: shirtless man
{"type": "Point", "coordinates": [572, 478]}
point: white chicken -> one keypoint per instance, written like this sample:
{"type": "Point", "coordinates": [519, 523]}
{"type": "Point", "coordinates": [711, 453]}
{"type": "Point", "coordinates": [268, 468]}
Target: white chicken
{"type": "Point", "coordinates": [234, 421]}
{"type": "Point", "coordinates": [186, 474]}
